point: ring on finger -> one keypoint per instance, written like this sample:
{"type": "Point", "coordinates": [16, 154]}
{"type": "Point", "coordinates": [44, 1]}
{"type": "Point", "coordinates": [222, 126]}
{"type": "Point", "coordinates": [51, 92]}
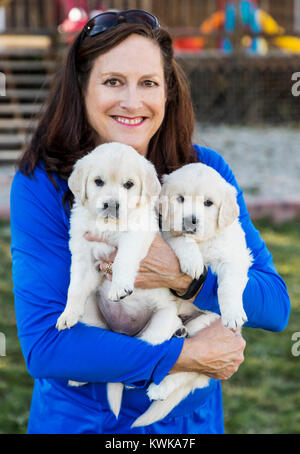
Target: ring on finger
{"type": "Point", "coordinates": [108, 268]}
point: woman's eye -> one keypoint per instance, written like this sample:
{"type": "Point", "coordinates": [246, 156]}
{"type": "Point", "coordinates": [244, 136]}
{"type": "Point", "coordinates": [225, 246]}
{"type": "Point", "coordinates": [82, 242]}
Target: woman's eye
{"type": "Point", "coordinates": [180, 199]}
{"type": "Point", "coordinates": [150, 83]}
{"type": "Point", "coordinates": [208, 203]}
{"type": "Point", "coordinates": [128, 185]}
{"type": "Point", "coordinates": [99, 182]}
{"type": "Point", "coordinates": [112, 82]}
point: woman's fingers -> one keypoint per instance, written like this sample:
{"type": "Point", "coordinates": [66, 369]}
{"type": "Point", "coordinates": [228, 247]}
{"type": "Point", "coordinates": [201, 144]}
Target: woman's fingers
{"type": "Point", "coordinates": [89, 237]}
{"type": "Point", "coordinates": [103, 267]}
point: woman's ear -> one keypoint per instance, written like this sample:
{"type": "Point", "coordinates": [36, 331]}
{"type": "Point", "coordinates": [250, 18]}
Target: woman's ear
{"type": "Point", "coordinates": [78, 181]}
{"type": "Point", "coordinates": [229, 209]}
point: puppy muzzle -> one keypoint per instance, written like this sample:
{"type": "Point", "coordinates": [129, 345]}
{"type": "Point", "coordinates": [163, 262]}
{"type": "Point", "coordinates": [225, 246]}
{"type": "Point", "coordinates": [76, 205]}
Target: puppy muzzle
{"type": "Point", "coordinates": [190, 224]}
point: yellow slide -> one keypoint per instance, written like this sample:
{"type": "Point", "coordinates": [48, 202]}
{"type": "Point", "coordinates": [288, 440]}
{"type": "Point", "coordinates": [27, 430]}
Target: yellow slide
{"type": "Point", "coordinates": [289, 43]}
{"type": "Point", "coordinates": [269, 25]}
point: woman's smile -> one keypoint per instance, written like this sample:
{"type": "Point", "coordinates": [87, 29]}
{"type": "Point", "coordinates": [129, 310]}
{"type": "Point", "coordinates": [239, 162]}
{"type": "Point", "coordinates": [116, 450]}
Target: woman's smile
{"type": "Point", "coordinates": [129, 121]}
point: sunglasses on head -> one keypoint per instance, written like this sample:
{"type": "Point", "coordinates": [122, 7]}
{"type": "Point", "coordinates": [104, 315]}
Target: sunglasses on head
{"type": "Point", "coordinates": [105, 21]}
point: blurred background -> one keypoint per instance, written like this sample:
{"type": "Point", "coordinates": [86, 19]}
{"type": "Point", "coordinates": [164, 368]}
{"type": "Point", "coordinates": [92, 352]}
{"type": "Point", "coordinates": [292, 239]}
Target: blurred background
{"type": "Point", "coordinates": [243, 62]}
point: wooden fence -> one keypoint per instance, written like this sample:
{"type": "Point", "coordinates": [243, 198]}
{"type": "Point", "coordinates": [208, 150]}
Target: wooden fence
{"type": "Point", "coordinates": [43, 16]}
{"type": "Point", "coordinates": [30, 16]}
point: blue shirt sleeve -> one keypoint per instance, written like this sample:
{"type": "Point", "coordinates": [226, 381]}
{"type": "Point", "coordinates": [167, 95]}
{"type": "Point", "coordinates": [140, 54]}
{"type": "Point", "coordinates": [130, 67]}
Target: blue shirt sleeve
{"type": "Point", "coordinates": [41, 274]}
{"type": "Point", "coordinates": [266, 301]}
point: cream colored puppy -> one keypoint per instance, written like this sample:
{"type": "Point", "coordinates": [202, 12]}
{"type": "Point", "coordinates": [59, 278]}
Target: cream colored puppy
{"type": "Point", "coordinates": [112, 187]}
{"type": "Point", "coordinates": [200, 222]}
{"type": "Point", "coordinates": [115, 191]}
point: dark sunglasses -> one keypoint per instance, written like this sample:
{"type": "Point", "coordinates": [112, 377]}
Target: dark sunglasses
{"type": "Point", "coordinates": [105, 21]}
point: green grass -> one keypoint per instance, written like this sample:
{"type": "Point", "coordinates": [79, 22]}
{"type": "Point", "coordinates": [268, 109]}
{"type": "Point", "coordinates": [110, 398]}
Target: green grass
{"type": "Point", "coordinates": [263, 397]}
{"type": "Point", "coordinates": [15, 382]}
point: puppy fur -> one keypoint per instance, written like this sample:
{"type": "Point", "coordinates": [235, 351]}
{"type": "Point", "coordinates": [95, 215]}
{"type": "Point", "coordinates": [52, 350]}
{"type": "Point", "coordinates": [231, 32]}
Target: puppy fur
{"type": "Point", "coordinates": [115, 191]}
{"type": "Point", "coordinates": [200, 222]}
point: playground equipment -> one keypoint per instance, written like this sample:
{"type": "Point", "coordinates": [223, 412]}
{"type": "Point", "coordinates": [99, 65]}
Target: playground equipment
{"type": "Point", "coordinates": [76, 19]}
{"type": "Point", "coordinates": [250, 16]}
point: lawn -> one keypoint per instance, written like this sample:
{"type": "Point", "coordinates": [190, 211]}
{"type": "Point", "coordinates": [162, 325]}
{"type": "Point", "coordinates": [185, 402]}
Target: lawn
{"type": "Point", "coordinates": [15, 383]}
{"type": "Point", "coordinates": [263, 397]}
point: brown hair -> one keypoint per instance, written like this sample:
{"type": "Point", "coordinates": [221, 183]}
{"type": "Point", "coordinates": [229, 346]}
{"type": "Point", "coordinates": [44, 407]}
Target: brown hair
{"type": "Point", "coordinates": [64, 135]}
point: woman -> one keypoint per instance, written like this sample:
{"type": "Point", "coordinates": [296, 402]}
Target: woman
{"type": "Point", "coordinates": [120, 83]}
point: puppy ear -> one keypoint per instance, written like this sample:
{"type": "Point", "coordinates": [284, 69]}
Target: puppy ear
{"type": "Point", "coordinates": [163, 203]}
{"type": "Point", "coordinates": [229, 210]}
{"type": "Point", "coordinates": [150, 185]}
{"type": "Point", "coordinates": [78, 180]}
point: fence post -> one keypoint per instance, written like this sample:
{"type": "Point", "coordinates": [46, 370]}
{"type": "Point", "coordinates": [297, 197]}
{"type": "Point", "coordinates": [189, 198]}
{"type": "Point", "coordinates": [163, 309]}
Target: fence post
{"type": "Point", "coordinates": [147, 5]}
{"type": "Point", "coordinates": [2, 19]}
{"type": "Point", "coordinates": [2, 345]}
{"type": "Point", "coordinates": [2, 84]}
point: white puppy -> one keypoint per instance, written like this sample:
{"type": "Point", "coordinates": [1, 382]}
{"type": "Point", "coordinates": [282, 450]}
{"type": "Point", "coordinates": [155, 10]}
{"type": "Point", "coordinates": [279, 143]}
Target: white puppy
{"type": "Point", "coordinates": [200, 222]}
{"type": "Point", "coordinates": [115, 192]}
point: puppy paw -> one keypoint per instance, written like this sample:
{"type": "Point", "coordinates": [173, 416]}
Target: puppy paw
{"type": "Point", "coordinates": [158, 392]}
{"type": "Point", "coordinates": [192, 265]}
{"type": "Point", "coordinates": [153, 337]}
{"type": "Point", "coordinates": [68, 319]}
{"type": "Point", "coordinates": [181, 332]}
{"type": "Point", "coordinates": [234, 320]}
{"type": "Point", "coordinates": [118, 292]}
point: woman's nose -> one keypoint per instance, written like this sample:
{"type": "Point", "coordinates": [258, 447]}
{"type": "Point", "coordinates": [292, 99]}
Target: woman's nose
{"type": "Point", "coordinates": [131, 99]}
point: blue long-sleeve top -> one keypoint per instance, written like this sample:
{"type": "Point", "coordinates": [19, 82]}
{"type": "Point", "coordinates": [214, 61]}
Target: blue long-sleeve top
{"type": "Point", "coordinates": [41, 275]}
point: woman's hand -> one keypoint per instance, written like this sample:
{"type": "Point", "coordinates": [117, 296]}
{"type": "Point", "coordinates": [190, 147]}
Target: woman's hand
{"type": "Point", "coordinates": [160, 268]}
{"type": "Point", "coordinates": [215, 351]}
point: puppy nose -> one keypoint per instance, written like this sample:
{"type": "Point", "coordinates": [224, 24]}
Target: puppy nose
{"type": "Point", "coordinates": [189, 224]}
{"type": "Point", "coordinates": [112, 207]}
{"type": "Point", "coordinates": [111, 204]}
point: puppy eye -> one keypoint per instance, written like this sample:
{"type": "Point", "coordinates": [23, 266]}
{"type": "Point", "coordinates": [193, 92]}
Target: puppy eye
{"type": "Point", "coordinates": [99, 182]}
{"type": "Point", "coordinates": [208, 203]}
{"type": "Point", "coordinates": [128, 184]}
{"type": "Point", "coordinates": [180, 199]}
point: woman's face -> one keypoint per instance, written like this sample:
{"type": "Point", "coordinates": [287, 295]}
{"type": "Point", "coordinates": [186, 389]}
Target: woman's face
{"type": "Point", "coordinates": [126, 93]}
